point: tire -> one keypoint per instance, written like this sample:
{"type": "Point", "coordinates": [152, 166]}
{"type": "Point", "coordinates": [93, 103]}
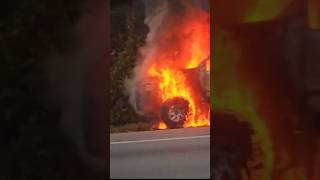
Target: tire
{"type": "Point", "coordinates": [174, 112]}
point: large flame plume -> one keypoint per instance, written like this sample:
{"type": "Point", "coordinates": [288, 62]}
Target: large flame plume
{"type": "Point", "coordinates": [178, 39]}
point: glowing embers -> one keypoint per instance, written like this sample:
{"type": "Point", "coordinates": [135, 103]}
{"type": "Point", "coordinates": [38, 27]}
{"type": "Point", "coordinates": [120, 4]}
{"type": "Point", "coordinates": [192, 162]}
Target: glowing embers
{"type": "Point", "coordinates": [162, 125]}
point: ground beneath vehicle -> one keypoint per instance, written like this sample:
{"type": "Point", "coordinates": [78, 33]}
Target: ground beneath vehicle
{"type": "Point", "coordinates": [173, 111]}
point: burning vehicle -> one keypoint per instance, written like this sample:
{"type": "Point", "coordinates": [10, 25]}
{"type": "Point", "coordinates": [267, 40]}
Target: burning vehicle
{"type": "Point", "coordinates": [171, 80]}
{"type": "Point", "coordinates": [174, 111]}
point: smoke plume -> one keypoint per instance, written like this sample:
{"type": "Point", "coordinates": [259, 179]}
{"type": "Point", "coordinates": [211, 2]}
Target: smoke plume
{"type": "Point", "coordinates": [165, 19]}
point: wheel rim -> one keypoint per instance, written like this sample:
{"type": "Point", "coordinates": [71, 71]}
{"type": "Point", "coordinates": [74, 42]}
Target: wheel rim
{"type": "Point", "coordinates": [176, 114]}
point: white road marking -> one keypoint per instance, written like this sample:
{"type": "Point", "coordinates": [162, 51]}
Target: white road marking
{"type": "Point", "coordinates": [156, 140]}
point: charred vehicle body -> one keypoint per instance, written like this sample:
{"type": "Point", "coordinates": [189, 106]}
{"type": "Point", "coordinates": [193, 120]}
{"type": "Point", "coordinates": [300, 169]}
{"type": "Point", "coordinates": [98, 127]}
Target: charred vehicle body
{"type": "Point", "coordinates": [173, 111]}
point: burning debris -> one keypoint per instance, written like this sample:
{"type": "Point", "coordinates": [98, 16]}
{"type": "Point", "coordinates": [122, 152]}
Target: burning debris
{"type": "Point", "coordinates": [171, 81]}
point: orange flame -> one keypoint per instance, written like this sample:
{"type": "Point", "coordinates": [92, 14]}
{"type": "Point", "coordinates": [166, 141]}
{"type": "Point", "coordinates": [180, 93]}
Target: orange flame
{"type": "Point", "coordinates": [162, 125]}
{"type": "Point", "coordinates": [189, 53]}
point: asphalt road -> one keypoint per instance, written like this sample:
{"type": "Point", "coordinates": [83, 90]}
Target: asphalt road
{"type": "Point", "coordinates": [176, 153]}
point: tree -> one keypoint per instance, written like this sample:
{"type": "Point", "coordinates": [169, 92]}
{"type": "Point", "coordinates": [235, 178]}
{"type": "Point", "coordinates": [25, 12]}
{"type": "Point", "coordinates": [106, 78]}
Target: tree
{"type": "Point", "coordinates": [128, 34]}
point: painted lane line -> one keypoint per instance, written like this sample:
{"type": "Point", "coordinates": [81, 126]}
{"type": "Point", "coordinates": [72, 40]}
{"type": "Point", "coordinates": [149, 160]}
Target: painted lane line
{"type": "Point", "coordinates": [157, 140]}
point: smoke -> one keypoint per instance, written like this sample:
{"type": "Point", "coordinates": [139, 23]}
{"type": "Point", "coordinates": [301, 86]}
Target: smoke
{"type": "Point", "coordinates": [203, 4]}
{"type": "Point", "coordinates": [166, 20]}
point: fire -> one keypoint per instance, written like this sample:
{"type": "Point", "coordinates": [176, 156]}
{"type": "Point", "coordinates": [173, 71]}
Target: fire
{"type": "Point", "coordinates": [162, 125]}
{"type": "Point", "coordinates": [192, 48]}
{"type": "Point", "coordinates": [199, 46]}
{"type": "Point", "coordinates": [174, 84]}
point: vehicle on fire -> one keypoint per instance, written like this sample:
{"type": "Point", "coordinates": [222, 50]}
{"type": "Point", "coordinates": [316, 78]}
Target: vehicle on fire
{"type": "Point", "coordinates": [173, 111]}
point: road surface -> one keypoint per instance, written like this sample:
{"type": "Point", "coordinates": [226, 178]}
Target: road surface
{"type": "Point", "coordinates": [175, 153]}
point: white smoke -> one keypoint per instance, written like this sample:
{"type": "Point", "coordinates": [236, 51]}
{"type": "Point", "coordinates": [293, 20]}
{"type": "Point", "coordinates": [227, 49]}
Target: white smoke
{"type": "Point", "coordinates": [155, 11]}
{"type": "Point", "coordinates": [160, 17]}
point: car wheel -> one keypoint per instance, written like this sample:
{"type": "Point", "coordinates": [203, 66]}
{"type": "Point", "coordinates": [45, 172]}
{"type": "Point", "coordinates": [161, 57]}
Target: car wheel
{"type": "Point", "coordinates": [174, 112]}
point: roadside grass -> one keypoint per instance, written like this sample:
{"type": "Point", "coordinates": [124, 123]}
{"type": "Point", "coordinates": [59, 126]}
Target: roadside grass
{"type": "Point", "coordinates": [132, 127]}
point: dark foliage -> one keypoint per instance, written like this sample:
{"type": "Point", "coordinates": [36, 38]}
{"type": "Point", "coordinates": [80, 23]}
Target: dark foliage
{"type": "Point", "coordinates": [128, 33]}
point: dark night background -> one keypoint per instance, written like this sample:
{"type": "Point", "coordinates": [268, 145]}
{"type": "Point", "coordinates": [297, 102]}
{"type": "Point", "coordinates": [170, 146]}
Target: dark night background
{"type": "Point", "coordinates": [53, 56]}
